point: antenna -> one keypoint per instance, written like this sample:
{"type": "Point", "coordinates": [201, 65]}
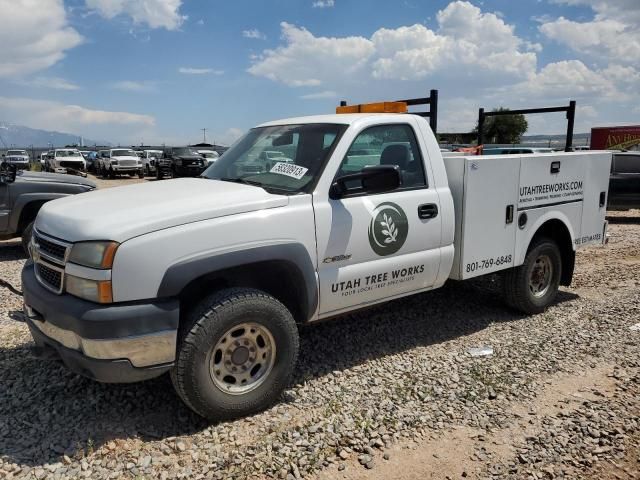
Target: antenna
{"type": "Point", "coordinates": [204, 135]}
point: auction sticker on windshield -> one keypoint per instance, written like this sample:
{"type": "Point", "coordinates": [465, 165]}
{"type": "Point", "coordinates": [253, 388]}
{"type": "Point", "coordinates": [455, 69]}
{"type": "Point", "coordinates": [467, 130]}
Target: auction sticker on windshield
{"type": "Point", "coordinates": [289, 169]}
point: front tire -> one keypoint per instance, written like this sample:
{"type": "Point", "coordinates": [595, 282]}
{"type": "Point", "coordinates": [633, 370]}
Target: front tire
{"type": "Point", "coordinates": [533, 286]}
{"type": "Point", "coordinates": [236, 353]}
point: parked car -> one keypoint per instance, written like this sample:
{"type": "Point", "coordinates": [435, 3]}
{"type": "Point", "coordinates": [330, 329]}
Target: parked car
{"type": "Point", "coordinates": [43, 158]}
{"type": "Point", "coordinates": [210, 156]}
{"type": "Point", "coordinates": [66, 160]}
{"type": "Point", "coordinates": [149, 158]}
{"type": "Point", "coordinates": [118, 161]}
{"type": "Point", "coordinates": [515, 150]}
{"type": "Point", "coordinates": [22, 193]}
{"type": "Point", "coordinates": [19, 158]}
{"type": "Point", "coordinates": [90, 160]}
{"type": "Point", "coordinates": [624, 182]}
{"type": "Point", "coordinates": [181, 162]}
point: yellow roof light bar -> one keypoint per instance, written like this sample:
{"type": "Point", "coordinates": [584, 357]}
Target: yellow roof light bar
{"type": "Point", "coordinates": [380, 107]}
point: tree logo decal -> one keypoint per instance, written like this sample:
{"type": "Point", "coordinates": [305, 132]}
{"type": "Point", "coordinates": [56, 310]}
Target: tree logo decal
{"type": "Point", "coordinates": [388, 229]}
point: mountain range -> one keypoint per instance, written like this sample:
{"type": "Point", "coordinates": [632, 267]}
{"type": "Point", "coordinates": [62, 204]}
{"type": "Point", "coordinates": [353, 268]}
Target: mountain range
{"type": "Point", "coordinates": [23, 137]}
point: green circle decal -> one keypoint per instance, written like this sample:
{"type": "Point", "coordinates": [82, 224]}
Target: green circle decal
{"type": "Point", "coordinates": [388, 229]}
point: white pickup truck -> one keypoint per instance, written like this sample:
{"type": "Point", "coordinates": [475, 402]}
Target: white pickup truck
{"type": "Point", "coordinates": [209, 277]}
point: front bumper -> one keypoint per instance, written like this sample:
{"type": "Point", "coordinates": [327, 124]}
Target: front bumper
{"type": "Point", "coordinates": [120, 168]}
{"type": "Point", "coordinates": [70, 171]}
{"type": "Point", "coordinates": [20, 165]}
{"type": "Point", "coordinates": [117, 343]}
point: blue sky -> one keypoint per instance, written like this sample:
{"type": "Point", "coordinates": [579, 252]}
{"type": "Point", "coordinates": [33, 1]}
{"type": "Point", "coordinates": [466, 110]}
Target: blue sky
{"type": "Point", "coordinates": [160, 70]}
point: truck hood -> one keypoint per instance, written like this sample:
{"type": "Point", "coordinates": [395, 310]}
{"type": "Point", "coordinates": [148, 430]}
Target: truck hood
{"type": "Point", "coordinates": [125, 157]}
{"type": "Point", "coordinates": [125, 212]}
{"type": "Point", "coordinates": [44, 177]}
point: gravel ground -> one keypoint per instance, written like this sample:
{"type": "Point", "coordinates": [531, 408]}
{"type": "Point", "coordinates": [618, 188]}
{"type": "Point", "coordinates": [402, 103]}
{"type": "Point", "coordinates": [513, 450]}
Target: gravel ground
{"type": "Point", "coordinates": [390, 393]}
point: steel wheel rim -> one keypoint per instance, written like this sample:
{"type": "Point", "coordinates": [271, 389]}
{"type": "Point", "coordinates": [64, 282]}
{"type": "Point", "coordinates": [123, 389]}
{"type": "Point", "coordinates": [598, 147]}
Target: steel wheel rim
{"type": "Point", "coordinates": [243, 358]}
{"type": "Point", "coordinates": [540, 276]}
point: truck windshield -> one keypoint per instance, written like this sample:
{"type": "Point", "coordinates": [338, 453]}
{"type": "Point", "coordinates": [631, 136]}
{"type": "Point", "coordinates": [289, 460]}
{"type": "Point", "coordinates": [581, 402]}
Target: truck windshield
{"type": "Point", "coordinates": [123, 153]}
{"type": "Point", "coordinates": [67, 153]}
{"type": "Point", "coordinates": [16, 152]}
{"type": "Point", "coordinates": [296, 156]}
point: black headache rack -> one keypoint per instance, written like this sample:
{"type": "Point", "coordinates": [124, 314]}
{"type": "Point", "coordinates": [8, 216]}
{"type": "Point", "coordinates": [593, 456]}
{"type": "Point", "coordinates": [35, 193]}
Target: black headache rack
{"type": "Point", "coordinates": [571, 115]}
{"type": "Point", "coordinates": [431, 114]}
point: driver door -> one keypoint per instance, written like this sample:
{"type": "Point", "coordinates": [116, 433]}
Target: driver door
{"type": "Point", "coordinates": [377, 246]}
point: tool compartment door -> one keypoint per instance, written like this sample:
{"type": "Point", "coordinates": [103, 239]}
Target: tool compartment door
{"type": "Point", "coordinates": [596, 185]}
{"type": "Point", "coordinates": [487, 234]}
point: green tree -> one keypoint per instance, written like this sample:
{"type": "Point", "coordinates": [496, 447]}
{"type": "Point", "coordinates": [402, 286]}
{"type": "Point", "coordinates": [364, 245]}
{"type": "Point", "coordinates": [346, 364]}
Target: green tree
{"type": "Point", "coordinates": [503, 128]}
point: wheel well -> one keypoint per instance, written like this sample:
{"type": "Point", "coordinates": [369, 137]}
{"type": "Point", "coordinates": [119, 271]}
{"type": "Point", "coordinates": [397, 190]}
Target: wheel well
{"type": "Point", "coordinates": [280, 279]}
{"type": "Point", "coordinates": [556, 230]}
{"type": "Point", "coordinates": [28, 214]}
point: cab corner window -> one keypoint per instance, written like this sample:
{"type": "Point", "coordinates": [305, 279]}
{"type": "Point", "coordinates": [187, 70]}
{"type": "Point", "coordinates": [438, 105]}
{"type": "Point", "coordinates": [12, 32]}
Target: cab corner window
{"type": "Point", "coordinates": [385, 145]}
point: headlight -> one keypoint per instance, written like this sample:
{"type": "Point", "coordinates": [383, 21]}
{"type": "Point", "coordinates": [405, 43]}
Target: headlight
{"type": "Point", "coordinates": [94, 254]}
{"type": "Point", "coordinates": [98, 291]}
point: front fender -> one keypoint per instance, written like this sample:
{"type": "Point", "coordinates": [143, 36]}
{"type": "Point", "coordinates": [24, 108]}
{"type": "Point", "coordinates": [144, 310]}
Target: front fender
{"type": "Point", "coordinates": [294, 255]}
{"type": "Point", "coordinates": [26, 198]}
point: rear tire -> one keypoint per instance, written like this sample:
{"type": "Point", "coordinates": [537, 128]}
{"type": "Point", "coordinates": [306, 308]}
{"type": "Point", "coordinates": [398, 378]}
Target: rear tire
{"type": "Point", "coordinates": [533, 286]}
{"type": "Point", "coordinates": [26, 237]}
{"type": "Point", "coordinates": [236, 353]}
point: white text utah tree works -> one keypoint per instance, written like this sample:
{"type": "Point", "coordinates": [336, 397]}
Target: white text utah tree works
{"type": "Point", "coordinates": [208, 278]}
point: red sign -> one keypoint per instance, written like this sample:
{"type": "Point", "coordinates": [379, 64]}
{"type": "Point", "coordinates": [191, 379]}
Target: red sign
{"type": "Point", "coordinates": [615, 138]}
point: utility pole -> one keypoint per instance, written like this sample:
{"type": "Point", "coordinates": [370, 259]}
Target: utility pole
{"type": "Point", "coordinates": [204, 135]}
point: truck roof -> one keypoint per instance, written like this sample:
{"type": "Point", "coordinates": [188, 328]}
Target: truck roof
{"type": "Point", "coordinates": [342, 118]}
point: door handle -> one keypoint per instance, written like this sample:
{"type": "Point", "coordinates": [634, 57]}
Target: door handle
{"type": "Point", "coordinates": [427, 210]}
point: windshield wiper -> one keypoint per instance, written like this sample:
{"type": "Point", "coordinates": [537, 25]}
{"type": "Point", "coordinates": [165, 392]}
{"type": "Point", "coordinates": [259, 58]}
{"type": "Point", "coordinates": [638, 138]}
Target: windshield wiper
{"type": "Point", "coordinates": [266, 188]}
{"type": "Point", "coordinates": [241, 180]}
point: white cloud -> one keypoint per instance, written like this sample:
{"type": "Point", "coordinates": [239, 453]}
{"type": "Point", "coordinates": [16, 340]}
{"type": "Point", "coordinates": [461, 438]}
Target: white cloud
{"type": "Point", "coordinates": [610, 39]}
{"type": "Point", "coordinates": [323, 3]}
{"type": "Point", "coordinates": [567, 78]}
{"type": "Point", "coordinates": [200, 22]}
{"type": "Point", "coordinates": [55, 83]}
{"type": "Point", "coordinates": [613, 35]}
{"type": "Point", "coordinates": [34, 35]}
{"type": "Point", "coordinates": [228, 136]}
{"type": "Point", "coordinates": [475, 58]}
{"type": "Point", "coordinates": [51, 115]}
{"type": "Point", "coordinates": [307, 60]}
{"type": "Point", "coordinates": [319, 95]}
{"type": "Point", "coordinates": [134, 86]}
{"type": "Point", "coordinates": [199, 71]}
{"type": "Point", "coordinates": [254, 33]}
{"type": "Point", "coordinates": [467, 40]}
{"type": "Point", "coordinates": [154, 13]}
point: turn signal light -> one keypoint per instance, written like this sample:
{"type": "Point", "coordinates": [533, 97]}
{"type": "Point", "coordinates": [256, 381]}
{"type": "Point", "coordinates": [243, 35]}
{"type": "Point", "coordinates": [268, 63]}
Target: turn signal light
{"type": "Point", "coordinates": [380, 107]}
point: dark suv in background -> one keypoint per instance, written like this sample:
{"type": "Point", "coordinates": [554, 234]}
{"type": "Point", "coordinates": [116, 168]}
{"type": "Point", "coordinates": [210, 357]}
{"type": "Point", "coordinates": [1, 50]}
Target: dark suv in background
{"type": "Point", "coordinates": [181, 162]}
{"type": "Point", "coordinates": [624, 183]}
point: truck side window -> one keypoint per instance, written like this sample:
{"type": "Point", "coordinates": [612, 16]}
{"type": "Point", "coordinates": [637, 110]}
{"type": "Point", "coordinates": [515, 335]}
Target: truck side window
{"type": "Point", "coordinates": [627, 163]}
{"type": "Point", "coordinates": [393, 144]}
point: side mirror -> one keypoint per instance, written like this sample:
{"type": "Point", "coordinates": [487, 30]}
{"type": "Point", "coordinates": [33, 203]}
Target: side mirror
{"type": "Point", "coordinates": [374, 179]}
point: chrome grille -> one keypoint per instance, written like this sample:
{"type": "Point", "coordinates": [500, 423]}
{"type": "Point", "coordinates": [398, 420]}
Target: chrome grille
{"type": "Point", "coordinates": [50, 257]}
{"type": "Point", "coordinates": [53, 250]}
{"type": "Point", "coordinates": [71, 164]}
{"type": "Point", "coordinates": [49, 277]}
{"type": "Point", "coordinates": [127, 163]}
